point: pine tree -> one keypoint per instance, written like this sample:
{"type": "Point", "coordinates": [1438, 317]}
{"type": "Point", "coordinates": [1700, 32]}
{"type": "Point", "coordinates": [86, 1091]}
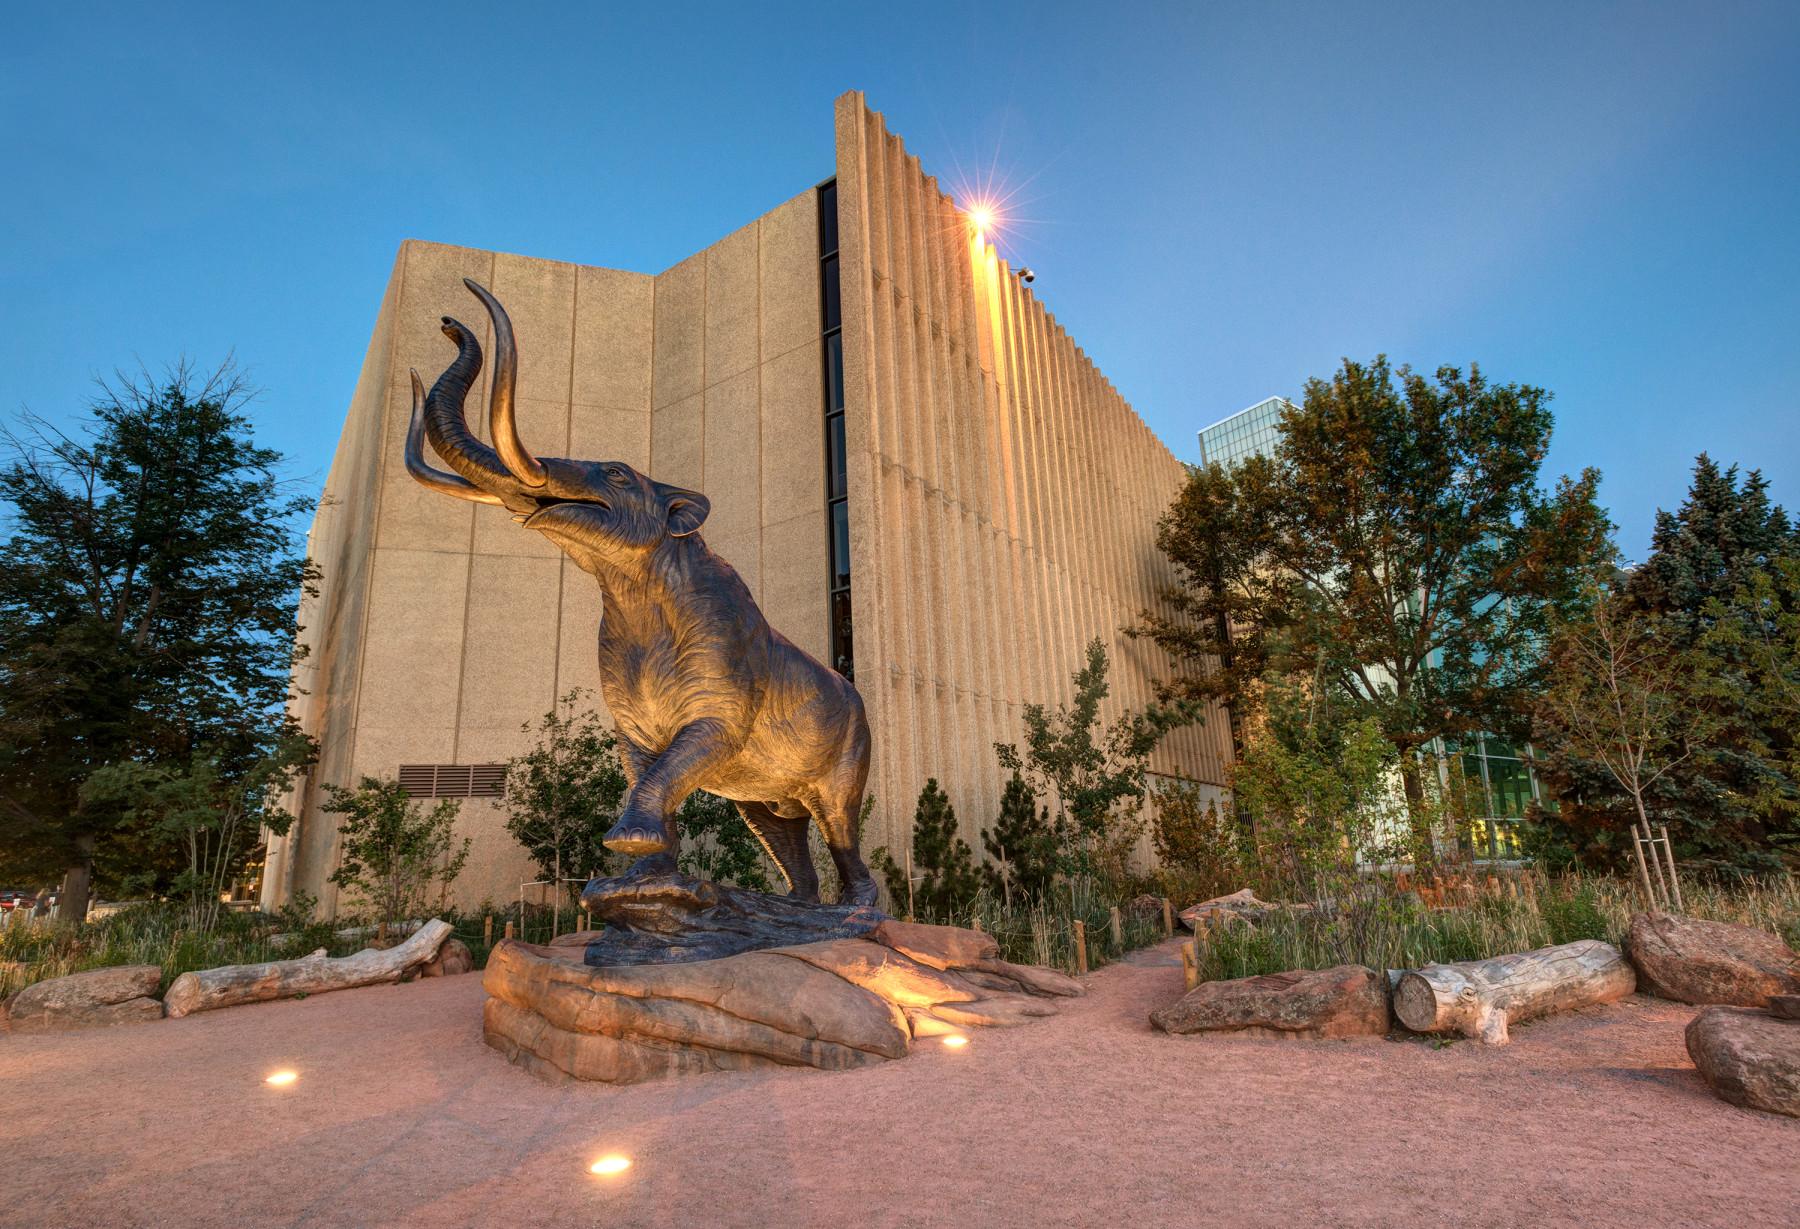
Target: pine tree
{"type": "Point", "coordinates": [148, 593]}
{"type": "Point", "coordinates": [1714, 582]}
{"type": "Point", "coordinates": [944, 878]}
{"type": "Point", "coordinates": [1023, 846]}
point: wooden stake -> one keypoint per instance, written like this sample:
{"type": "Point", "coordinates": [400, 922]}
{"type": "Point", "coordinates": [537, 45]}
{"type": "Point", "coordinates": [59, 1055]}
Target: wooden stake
{"type": "Point", "coordinates": [1168, 917]}
{"type": "Point", "coordinates": [1081, 959]}
{"type": "Point", "coordinates": [487, 930]}
{"type": "Point", "coordinates": [1190, 976]}
{"type": "Point", "coordinates": [509, 931]}
{"type": "Point", "coordinates": [1118, 930]}
{"type": "Point", "coordinates": [1674, 877]}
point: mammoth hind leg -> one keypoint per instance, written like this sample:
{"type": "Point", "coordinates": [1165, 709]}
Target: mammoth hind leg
{"type": "Point", "coordinates": [785, 841]}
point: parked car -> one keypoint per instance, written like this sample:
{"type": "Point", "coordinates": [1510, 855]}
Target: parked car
{"type": "Point", "coordinates": [16, 898]}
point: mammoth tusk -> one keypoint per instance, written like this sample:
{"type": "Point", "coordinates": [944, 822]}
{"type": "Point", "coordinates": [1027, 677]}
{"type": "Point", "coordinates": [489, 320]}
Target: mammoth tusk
{"type": "Point", "coordinates": [501, 420]}
{"type": "Point", "coordinates": [418, 467]}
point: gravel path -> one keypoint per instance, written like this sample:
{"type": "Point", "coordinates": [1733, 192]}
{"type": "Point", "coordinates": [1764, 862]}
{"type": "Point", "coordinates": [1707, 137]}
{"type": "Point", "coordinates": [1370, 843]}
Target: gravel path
{"type": "Point", "coordinates": [401, 1116]}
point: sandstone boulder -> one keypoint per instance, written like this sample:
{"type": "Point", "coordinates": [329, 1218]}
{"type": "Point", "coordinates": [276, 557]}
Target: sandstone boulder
{"type": "Point", "coordinates": [453, 957]}
{"type": "Point", "coordinates": [1748, 1057]}
{"type": "Point", "coordinates": [1694, 961]}
{"type": "Point", "coordinates": [1787, 1006]}
{"type": "Point", "coordinates": [120, 995]}
{"type": "Point", "coordinates": [832, 1004]}
{"type": "Point", "coordinates": [1240, 906]}
{"type": "Point", "coordinates": [1346, 1001]}
{"type": "Point", "coordinates": [941, 947]}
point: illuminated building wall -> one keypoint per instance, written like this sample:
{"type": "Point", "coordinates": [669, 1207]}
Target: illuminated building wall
{"type": "Point", "coordinates": [998, 495]}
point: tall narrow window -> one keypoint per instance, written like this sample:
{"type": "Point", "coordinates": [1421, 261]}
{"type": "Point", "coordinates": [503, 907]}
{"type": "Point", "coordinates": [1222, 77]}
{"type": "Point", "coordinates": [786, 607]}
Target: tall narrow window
{"type": "Point", "coordinates": [837, 494]}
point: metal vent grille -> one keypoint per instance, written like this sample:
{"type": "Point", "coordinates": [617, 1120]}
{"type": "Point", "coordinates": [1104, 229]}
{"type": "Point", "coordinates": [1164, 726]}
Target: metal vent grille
{"type": "Point", "coordinates": [453, 780]}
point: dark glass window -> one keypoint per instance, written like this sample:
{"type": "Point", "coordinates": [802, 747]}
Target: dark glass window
{"type": "Point", "coordinates": [828, 235]}
{"type": "Point", "coordinates": [840, 544]}
{"type": "Point", "coordinates": [834, 373]}
{"type": "Point", "coordinates": [837, 503]}
{"type": "Point", "coordinates": [836, 487]}
{"type": "Point", "coordinates": [844, 659]}
{"type": "Point", "coordinates": [834, 307]}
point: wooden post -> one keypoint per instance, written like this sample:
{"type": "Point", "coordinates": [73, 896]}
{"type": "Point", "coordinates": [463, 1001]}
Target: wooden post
{"type": "Point", "coordinates": [1118, 929]}
{"type": "Point", "coordinates": [509, 931]}
{"type": "Point", "coordinates": [587, 920]}
{"type": "Point", "coordinates": [1643, 869]}
{"type": "Point", "coordinates": [1674, 878]}
{"type": "Point", "coordinates": [1190, 976]}
{"type": "Point", "coordinates": [487, 930]}
{"type": "Point", "coordinates": [1081, 959]}
{"type": "Point", "coordinates": [1168, 917]}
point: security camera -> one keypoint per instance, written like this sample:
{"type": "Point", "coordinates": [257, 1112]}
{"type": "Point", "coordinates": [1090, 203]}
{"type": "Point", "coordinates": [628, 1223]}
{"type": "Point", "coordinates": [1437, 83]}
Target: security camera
{"type": "Point", "coordinates": [1027, 276]}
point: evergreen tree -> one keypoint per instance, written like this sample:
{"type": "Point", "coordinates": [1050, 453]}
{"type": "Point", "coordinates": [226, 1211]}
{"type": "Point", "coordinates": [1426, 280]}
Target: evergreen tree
{"type": "Point", "coordinates": [148, 594]}
{"type": "Point", "coordinates": [1023, 846]}
{"type": "Point", "coordinates": [1716, 587]}
{"type": "Point", "coordinates": [944, 878]}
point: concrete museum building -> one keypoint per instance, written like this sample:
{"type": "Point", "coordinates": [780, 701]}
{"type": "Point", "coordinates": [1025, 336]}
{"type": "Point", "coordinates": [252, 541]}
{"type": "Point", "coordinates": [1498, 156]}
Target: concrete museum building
{"type": "Point", "coordinates": [920, 476]}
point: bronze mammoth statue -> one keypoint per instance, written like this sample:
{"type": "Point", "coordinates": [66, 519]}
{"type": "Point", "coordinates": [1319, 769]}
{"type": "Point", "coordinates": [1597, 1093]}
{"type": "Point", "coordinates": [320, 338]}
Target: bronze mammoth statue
{"type": "Point", "coordinates": [706, 695]}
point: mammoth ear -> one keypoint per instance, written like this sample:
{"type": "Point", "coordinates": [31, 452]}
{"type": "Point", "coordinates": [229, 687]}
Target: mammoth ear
{"type": "Point", "coordinates": [686, 510]}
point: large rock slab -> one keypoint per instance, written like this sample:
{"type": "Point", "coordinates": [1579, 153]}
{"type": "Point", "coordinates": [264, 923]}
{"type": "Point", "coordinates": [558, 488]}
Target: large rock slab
{"type": "Point", "coordinates": [124, 994]}
{"type": "Point", "coordinates": [1694, 961]}
{"type": "Point", "coordinates": [1749, 1057]}
{"type": "Point", "coordinates": [1346, 1001]}
{"type": "Point", "coordinates": [834, 1004]}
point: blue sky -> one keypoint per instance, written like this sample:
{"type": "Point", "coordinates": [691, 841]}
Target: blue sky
{"type": "Point", "coordinates": [1219, 200]}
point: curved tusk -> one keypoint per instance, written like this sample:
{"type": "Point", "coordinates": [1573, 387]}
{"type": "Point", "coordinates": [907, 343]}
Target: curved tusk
{"type": "Point", "coordinates": [418, 467]}
{"type": "Point", "coordinates": [501, 420]}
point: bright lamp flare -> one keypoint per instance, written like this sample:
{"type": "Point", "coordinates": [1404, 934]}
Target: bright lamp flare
{"type": "Point", "coordinates": [956, 1041]}
{"type": "Point", "coordinates": [609, 1165]}
{"type": "Point", "coordinates": [281, 1079]}
{"type": "Point", "coordinates": [982, 217]}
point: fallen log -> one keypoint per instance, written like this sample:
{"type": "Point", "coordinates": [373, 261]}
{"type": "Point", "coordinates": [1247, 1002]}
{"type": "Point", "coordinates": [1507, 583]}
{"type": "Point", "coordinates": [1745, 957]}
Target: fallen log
{"type": "Point", "coordinates": [1480, 998]}
{"type": "Point", "coordinates": [314, 974]}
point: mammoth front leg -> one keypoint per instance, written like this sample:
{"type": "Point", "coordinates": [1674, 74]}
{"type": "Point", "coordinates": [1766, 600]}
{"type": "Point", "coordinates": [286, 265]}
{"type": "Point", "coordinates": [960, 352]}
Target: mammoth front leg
{"type": "Point", "coordinates": [665, 782]}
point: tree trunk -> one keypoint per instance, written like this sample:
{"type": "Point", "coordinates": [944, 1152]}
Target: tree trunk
{"type": "Point", "coordinates": [77, 885]}
{"type": "Point", "coordinates": [1480, 998]}
{"type": "Point", "coordinates": [1424, 855]}
{"type": "Point", "coordinates": [314, 974]}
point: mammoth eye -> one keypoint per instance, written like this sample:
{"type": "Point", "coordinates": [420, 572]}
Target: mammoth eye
{"type": "Point", "coordinates": [616, 476]}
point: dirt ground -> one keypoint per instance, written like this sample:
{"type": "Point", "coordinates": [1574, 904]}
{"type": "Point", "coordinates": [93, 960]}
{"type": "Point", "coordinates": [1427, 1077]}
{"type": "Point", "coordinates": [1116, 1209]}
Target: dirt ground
{"type": "Point", "coordinates": [401, 1116]}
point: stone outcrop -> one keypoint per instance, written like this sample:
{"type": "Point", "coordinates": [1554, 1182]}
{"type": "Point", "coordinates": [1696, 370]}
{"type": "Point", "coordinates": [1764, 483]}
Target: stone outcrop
{"type": "Point", "coordinates": [1346, 1001]}
{"type": "Point", "coordinates": [123, 994]}
{"type": "Point", "coordinates": [1240, 906]}
{"type": "Point", "coordinates": [1787, 1006]}
{"type": "Point", "coordinates": [1694, 961]}
{"type": "Point", "coordinates": [835, 1004]}
{"type": "Point", "coordinates": [1749, 1057]}
{"type": "Point", "coordinates": [453, 957]}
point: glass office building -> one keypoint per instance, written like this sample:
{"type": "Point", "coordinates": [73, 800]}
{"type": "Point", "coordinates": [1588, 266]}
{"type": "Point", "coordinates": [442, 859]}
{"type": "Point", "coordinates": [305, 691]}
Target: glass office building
{"type": "Point", "coordinates": [1250, 432]}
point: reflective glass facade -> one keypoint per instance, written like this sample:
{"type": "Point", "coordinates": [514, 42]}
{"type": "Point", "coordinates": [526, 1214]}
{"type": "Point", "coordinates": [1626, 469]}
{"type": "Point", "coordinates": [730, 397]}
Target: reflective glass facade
{"type": "Point", "coordinates": [1250, 432]}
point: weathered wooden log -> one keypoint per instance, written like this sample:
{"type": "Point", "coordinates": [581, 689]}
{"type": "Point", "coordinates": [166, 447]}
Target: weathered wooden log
{"type": "Point", "coordinates": [314, 974]}
{"type": "Point", "coordinates": [1480, 998]}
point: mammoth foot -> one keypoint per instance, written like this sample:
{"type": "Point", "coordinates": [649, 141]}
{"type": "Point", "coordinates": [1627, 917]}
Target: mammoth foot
{"type": "Point", "coordinates": [638, 833]}
{"type": "Point", "coordinates": [859, 892]}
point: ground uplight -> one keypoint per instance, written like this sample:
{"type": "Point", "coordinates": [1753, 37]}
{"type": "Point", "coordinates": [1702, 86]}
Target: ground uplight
{"type": "Point", "coordinates": [281, 1079]}
{"type": "Point", "coordinates": [956, 1041]}
{"type": "Point", "coordinates": [609, 1165]}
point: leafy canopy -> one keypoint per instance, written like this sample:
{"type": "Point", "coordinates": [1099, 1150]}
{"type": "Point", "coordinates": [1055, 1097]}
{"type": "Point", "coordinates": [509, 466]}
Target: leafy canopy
{"type": "Point", "coordinates": [148, 594]}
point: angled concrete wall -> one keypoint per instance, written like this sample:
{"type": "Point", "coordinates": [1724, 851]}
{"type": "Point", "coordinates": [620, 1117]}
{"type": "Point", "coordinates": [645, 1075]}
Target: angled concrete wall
{"type": "Point", "coordinates": [1003, 499]}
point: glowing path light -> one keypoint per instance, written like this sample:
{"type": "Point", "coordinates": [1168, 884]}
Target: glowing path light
{"type": "Point", "coordinates": [610, 1165]}
{"type": "Point", "coordinates": [956, 1041]}
{"type": "Point", "coordinates": [281, 1079]}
